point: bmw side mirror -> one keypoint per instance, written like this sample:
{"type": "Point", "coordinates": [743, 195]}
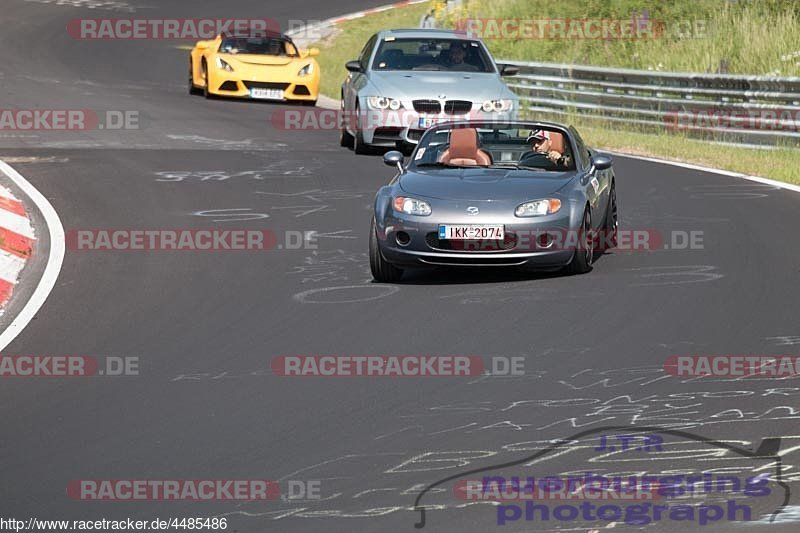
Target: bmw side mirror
{"type": "Point", "coordinates": [601, 161]}
{"type": "Point", "coordinates": [353, 66]}
{"type": "Point", "coordinates": [508, 70]}
{"type": "Point", "coordinates": [394, 159]}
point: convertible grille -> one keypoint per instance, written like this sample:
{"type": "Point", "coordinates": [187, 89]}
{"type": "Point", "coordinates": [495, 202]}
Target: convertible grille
{"type": "Point", "coordinates": [427, 106]}
{"type": "Point", "coordinates": [509, 242]}
{"type": "Point", "coordinates": [265, 85]}
{"type": "Point", "coordinates": [457, 107]}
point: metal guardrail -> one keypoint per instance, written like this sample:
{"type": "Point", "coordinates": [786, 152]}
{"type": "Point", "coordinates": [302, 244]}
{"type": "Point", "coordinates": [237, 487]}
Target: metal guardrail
{"type": "Point", "coordinates": [739, 109]}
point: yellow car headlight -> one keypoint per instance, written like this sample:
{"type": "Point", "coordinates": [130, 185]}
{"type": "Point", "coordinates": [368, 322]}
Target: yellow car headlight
{"type": "Point", "coordinates": [307, 70]}
{"type": "Point", "coordinates": [223, 65]}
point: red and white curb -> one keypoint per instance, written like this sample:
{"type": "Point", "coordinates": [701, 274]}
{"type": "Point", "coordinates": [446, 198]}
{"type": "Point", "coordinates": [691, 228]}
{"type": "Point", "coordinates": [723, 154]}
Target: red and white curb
{"type": "Point", "coordinates": [16, 242]}
{"type": "Point", "coordinates": [16, 233]}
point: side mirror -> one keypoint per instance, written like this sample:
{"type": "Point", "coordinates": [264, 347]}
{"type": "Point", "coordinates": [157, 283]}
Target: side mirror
{"type": "Point", "coordinates": [508, 70]}
{"type": "Point", "coordinates": [601, 161]}
{"type": "Point", "coordinates": [393, 158]}
{"type": "Point", "coordinates": [353, 66]}
{"type": "Point", "coordinates": [312, 52]}
{"type": "Point", "coordinates": [202, 45]}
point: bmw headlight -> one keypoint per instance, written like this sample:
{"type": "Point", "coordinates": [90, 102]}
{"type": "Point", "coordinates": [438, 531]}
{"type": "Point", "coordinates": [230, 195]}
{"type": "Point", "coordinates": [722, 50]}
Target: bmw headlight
{"type": "Point", "coordinates": [497, 106]}
{"type": "Point", "coordinates": [382, 102]}
{"type": "Point", "coordinates": [223, 65]}
{"type": "Point", "coordinates": [411, 206]}
{"type": "Point", "coordinates": [306, 70]}
{"type": "Point", "coordinates": [538, 208]}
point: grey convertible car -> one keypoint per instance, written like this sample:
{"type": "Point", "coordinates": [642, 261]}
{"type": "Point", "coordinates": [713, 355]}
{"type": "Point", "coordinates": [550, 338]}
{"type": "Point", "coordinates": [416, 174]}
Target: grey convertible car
{"type": "Point", "coordinates": [404, 81]}
{"type": "Point", "coordinates": [482, 193]}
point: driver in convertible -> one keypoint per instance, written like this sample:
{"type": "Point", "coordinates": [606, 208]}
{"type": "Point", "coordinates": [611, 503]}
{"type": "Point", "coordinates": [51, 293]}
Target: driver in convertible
{"type": "Point", "coordinates": [541, 154]}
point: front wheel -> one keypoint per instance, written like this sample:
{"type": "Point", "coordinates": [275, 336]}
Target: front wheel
{"type": "Point", "coordinates": [206, 92]}
{"type": "Point", "coordinates": [193, 90]}
{"type": "Point", "coordinates": [359, 146]}
{"type": "Point", "coordinates": [610, 230]}
{"type": "Point", "coordinates": [584, 251]}
{"type": "Point", "coordinates": [382, 270]}
{"type": "Point", "coordinates": [345, 139]}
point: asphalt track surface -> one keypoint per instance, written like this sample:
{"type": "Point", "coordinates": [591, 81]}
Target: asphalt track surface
{"type": "Point", "coordinates": [205, 326]}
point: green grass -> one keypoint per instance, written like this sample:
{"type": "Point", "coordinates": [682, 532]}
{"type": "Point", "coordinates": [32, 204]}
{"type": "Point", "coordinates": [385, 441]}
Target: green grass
{"type": "Point", "coordinates": [751, 37]}
{"type": "Point", "coordinates": [350, 37]}
{"type": "Point", "coordinates": [780, 164]}
{"type": "Point", "coordinates": [743, 37]}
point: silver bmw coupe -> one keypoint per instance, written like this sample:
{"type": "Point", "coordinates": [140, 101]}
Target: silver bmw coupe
{"type": "Point", "coordinates": [404, 81]}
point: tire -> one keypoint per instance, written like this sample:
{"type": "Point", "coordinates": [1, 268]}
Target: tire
{"type": "Point", "coordinates": [193, 89]}
{"type": "Point", "coordinates": [206, 92]}
{"type": "Point", "coordinates": [382, 270]}
{"type": "Point", "coordinates": [584, 254]}
{"type": "Point", "coordinates": [359, 146]}
{"type": "Point", "coordinates": [611, 226]}
{"type": "Point", "coordinates": [345, 139]}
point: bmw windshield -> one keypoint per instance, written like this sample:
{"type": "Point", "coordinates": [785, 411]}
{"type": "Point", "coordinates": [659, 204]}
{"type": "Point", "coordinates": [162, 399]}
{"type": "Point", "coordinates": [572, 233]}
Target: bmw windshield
{"type": "Point", "coordinates": [455, 55]}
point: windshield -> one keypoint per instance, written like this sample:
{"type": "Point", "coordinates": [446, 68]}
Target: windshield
{"type": "Point", "coordinates": [270, 46]}
{"type": "Point", "coordinates": [458, 55]}
{"type": "Point", "coordinates": [524, 147]}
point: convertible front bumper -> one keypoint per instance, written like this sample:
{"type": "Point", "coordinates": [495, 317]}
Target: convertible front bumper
{"type": "Point", "coordinates": [541, 244]}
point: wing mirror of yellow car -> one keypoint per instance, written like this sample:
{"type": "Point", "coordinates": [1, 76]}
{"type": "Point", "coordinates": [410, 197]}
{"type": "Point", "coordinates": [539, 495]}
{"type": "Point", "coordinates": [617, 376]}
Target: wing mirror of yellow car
{"type": "Point", "coordinates": [310, 52]}
{"type": "Point", "coordinates": [202, 45]}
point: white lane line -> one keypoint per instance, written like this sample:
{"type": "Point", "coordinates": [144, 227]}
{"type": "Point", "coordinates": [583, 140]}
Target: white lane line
{"type": "Point", "coordinates": [54, 260]}
{"type": "Point", "coordinates": [10, 267]}
{"type": "Point", "coordinates": [16, 223]}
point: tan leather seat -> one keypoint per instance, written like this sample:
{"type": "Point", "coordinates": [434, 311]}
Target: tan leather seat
{"type": "Point", "coordinates": [463, 150]}
{"type": "Point", "coordinates": [557, 142]}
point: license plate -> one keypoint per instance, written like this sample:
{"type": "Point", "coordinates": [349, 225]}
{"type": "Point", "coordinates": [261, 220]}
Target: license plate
{"type": "Point", "coordinates": [469, 232]}
{"type": "Point", "coordinates": [427, 122]}
{"type": "Point", "coordinates": [266, 94]}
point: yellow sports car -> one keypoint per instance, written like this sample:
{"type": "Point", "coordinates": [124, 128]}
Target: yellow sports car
{"type": "Point", "coordinates": [263, 66]}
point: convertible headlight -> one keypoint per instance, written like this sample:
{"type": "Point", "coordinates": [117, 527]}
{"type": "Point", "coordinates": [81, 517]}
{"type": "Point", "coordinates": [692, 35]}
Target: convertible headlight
{"type": "Point", "coordinates": [223, 65]}
{"type": "Point", "coordinates": [411, 206]}
{"type": "Point", "coordinates": [538, 208]}
{"type": "Point", "coordinates": [382, 102]}
{"type": "Point", "coordinates": [306, 70]}
{"type": "Point", "coordinates": [497, 106]}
